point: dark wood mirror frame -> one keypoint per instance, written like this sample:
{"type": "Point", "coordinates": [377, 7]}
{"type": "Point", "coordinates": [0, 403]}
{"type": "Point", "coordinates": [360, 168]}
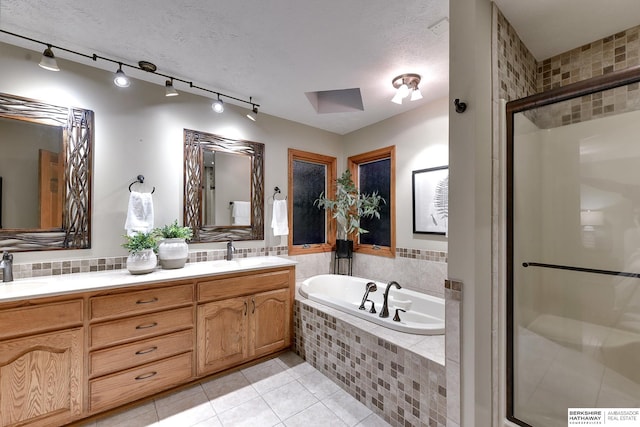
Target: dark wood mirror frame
{"type": "Point", "coordinates": [77, 145]}
{"type": "Point", "coordinates": [194, 143]}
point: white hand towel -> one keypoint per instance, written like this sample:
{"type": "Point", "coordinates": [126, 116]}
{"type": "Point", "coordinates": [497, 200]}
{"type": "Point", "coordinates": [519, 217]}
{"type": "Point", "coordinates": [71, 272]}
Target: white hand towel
{"type": "Point", "coordinates": [139, 213]}
{"type": "Point", "coordinates": [279, 222]}
{"type": "Point", "coordinates": [241, 213]}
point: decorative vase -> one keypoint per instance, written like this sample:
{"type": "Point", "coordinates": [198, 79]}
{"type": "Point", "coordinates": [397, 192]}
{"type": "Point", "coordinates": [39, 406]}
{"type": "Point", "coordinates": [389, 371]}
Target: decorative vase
{"type": "Point", "coordinates": [344, 248]}
{"type": "Point", "coordinates": [173, 253]}
{"type": "Point", "coordinates": [142, 262]}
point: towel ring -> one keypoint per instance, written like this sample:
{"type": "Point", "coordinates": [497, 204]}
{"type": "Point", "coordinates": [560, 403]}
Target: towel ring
{"type": "Point", "coordinates": [140, 180]}
{"type": "Point", "coordinates": [276, 191]}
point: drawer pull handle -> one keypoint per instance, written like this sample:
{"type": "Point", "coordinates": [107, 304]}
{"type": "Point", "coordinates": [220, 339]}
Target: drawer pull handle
{"type": "Point", "coordinates": [145, 376]}
{"type": "Point", "coordinates": [147, 301]}
{"type": "Point", "coordinates": [147, 326]}
{"type": "Point", "coordinates": [253, 310]}
{"type": "Point", "coordinates": [246, 307]}
{"type": "Point", "coordinates": [148, 350]}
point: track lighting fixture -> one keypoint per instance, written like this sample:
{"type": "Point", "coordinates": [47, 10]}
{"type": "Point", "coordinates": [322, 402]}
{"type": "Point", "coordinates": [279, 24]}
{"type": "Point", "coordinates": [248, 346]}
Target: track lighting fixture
{"type": "Point", "coordinates": [169, 90]}
{"type": "Point", "coordinates": [121, 79]}
{"type": "Point", "coordinates": [406, 84]}
{"type": "Point", "coordinates": [218, 105]}
{"type": "Point", "coordinates": [48, 61]}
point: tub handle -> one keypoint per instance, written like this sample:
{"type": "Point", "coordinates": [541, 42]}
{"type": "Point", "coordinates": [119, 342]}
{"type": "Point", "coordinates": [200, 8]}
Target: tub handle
{"type": "Point", "coordinates": [396, 318]}
{"type": "Point", "coordinates": [373, 306]}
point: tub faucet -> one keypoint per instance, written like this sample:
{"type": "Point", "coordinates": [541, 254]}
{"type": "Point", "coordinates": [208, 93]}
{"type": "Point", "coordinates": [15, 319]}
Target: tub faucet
{"type": "Point", "coordinates": [7, 267]}
{"type": "Point", "coordinates": [371, 287]}
{"type": "Point", "coordinates": [385, 302]}
{"type": "Point", "coordinates": [230, 250]}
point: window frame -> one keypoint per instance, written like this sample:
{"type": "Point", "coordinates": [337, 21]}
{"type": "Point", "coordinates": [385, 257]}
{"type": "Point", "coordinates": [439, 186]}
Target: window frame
{"type": "Point", "coordinates": [354, 163]}
{"type": "Point", "coordinates": [331, 164]}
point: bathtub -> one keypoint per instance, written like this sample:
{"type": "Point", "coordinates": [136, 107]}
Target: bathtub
{"type": "Point", "coordinates": [424, 315]}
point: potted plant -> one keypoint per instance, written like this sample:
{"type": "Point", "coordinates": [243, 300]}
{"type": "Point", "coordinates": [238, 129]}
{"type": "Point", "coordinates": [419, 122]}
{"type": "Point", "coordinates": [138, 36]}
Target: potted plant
{"type": "Point", "coordinates": [142, 249]}
{"type": "Point", "coordinates": [173, 250]}
{"type": "Point", "coordinates": [348, 207]}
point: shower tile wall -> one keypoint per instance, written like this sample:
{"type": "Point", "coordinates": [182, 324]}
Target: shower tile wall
{"type": "Point", "coordinates": [399, 385]}
{"type": "Point", "coordinates": [520, 75]}
{"type": "Point", "coordinates": [515, 64]}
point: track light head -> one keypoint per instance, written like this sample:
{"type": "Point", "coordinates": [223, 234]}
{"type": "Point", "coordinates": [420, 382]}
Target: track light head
{"type": "Point", "coordinates": [169, 90]}
{"type": "Point", "coordinates": [218, 105]}
{"type": "Point", "coordinates": [48, 61]}
{"type": "Point", "coordinates": [253, 114]}
{"type": "Point", "coordinates": [120, 79]}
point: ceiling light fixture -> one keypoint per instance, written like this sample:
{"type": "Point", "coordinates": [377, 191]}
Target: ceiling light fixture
{"type": "Point", "coordinates": [406, 84]}
{"type": "Point", "coordinates": [120, 79]}
{"type": "Point", "coordinates": [218, 105]}
{"type": "Point", "coordinates": [48, 58]}
{"type": "Point", "coordinates": [253, 114]}
{"type": "Point", "coordinates": [48, 61]}
{"type": "Point", "coordinates": [169, 90]}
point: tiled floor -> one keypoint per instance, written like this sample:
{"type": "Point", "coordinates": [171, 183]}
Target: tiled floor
{"type": "Point", "coordinates": [284, 391]}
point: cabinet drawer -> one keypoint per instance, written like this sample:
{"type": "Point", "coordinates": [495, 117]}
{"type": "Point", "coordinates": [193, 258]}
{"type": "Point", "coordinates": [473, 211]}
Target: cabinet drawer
{"type": "Point", "coordinates": [138, 382]}
{"type": "Point", "coordinates": [211, 290]}
{"type": "Point", "coordinates": [138, 353]}
{"type": "Point", "coordinates": [40, 318]}
{"type": "Point", "coordinates": [144, 301]}
{"type": "Point", "coordinates": [138, 327]}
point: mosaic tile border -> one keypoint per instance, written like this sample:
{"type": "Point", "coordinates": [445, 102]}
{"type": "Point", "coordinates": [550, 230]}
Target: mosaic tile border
{"type": "Point", "coordinates": [400, 386]}
{"type": "Point", "coordinates": [85, 265]}
{"type": "Point", "coordinates": [56, 268]}
{"type": "Point", "coordinates": [422, 254]}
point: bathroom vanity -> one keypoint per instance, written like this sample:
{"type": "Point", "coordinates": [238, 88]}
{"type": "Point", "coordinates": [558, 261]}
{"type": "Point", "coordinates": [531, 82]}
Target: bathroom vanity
{"type": "Point", "coordinates": [75, 346]}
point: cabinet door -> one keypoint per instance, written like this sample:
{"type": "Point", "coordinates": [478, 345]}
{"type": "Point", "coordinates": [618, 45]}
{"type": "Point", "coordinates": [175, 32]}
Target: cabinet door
{"type": "Point", "coordinates": [270, 321]}
{"type": "Point", "coordinates": [41, 379]}
{"type": "Point", "coordinates": [222, 334]}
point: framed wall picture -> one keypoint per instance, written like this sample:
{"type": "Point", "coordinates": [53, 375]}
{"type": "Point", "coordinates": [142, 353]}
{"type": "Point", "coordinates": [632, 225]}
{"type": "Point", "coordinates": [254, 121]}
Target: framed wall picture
{"type": "Point", "coordinates": [431, 200]}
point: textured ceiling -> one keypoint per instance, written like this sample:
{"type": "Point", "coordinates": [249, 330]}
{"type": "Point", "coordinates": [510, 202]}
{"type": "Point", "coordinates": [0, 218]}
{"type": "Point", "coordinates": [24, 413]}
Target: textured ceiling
{"type": "Point", "coordinates": [274, 51]}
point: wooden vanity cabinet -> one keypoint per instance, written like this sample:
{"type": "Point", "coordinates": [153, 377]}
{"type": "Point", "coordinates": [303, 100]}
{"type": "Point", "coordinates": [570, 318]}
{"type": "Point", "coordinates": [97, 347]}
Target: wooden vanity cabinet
{"type": "Point", "coordinates": [256, 321]}
{"type": "Point", "coordinates": [66, 358]}
{"type": "Point", "coordinates": [140, 343]}
{"type": "Point", "coordinates": [41, 363]}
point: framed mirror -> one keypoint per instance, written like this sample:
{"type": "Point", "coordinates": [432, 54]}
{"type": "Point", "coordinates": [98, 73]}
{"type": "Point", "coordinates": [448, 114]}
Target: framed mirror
{"type": "Point", "coordinates": [45, 171]}
{"type": "Point", "coordinates": [223, 188]}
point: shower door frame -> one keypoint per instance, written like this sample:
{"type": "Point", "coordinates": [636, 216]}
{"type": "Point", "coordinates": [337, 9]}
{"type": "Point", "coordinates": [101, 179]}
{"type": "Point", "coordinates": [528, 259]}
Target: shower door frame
{"type": "Point", "coordinates": [575, 90]}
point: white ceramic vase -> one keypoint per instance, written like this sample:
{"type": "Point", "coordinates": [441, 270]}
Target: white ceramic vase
{"type": "Point", "coordinates": [142, 262]}
{"type": "Point", "coordinates": [173, 253]}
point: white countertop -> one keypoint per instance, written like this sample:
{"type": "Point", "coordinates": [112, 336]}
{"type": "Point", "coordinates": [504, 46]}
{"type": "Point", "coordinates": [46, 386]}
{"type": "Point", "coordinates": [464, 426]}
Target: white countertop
{"type": "Point", "coordinates": [46, 286]}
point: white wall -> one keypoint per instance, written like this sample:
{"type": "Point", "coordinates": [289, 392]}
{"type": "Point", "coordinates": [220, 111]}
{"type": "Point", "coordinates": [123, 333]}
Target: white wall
{"type": "Point", "coordinates": [139, 131]}
{"type": "Point", "coordinates": [470, 240]}
{"type": "Point", "coordinates": [421, 139]}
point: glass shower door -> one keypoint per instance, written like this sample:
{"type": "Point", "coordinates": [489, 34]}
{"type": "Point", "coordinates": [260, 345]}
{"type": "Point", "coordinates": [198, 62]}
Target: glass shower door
{"type": "Point", "coordinates": [574, 255]}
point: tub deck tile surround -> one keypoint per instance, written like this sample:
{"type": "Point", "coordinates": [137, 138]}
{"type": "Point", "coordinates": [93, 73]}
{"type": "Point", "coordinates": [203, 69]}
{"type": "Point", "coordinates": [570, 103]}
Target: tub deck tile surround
{"type": "Point", "coordinates": [399, 376]}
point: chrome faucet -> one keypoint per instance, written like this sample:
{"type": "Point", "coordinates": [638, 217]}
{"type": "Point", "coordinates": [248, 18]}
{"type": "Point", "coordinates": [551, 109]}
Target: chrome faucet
{"type": "Point", "coordinates": [230, 250]}
{"type": "Point", "coordinates": [371, 287]}
{"type": "Point", "coordinates": [7, 267]}
{"type": "Point", "coordinates": [385, 301]}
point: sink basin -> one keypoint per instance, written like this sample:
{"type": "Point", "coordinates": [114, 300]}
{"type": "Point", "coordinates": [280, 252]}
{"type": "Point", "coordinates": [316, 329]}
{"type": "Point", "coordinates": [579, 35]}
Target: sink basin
{"type": "Point", "coordinates": [247, 262]}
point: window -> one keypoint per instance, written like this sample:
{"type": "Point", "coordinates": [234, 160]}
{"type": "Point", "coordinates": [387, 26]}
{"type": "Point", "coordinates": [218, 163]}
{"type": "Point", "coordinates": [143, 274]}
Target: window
{"type": "Point", "coordinates": [312, 229]}
{"type": "Point", "coordinates": [375, 171]}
